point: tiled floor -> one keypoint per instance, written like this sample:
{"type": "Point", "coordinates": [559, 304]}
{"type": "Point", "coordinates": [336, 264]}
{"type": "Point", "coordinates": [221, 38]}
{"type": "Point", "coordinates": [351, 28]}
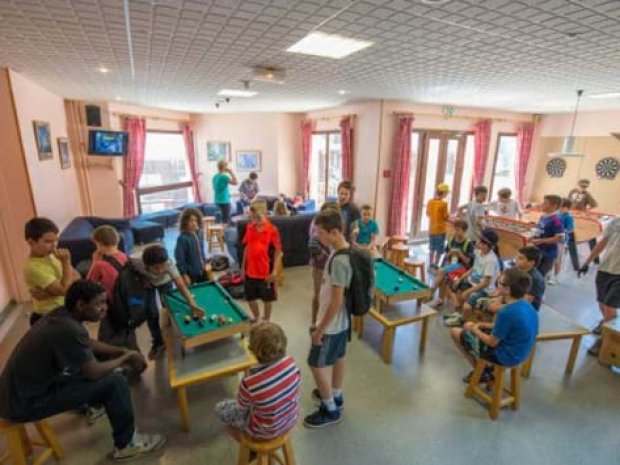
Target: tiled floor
{"type": "Point", "coordinates": [410, 412]}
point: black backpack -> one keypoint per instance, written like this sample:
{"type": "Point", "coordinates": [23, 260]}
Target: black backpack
{"type": "Point", "coordinates": [360, 293]}
{"type": "Point", "coordinates": [127, 308]}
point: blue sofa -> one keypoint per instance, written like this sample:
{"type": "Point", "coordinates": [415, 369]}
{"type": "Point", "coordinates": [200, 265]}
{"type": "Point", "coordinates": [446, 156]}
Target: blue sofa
{"type": "Point", "coordinates": [76, 236]}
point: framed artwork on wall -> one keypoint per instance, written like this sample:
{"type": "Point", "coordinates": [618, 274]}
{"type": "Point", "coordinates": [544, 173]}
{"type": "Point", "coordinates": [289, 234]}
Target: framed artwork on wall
{"type": "Point", "coordinates": [43, 138]}
{"type": "Point", "coordinates": [248, 160]}
{"type": "Point", "coordinates": [218, 150]}
{"type": "Point", "coordinates": [63, 151]}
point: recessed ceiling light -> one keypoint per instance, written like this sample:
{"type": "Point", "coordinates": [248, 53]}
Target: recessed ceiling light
{"type": "Point", "coordinates": [117, 98]}
{"type": "Point", "coordinates": [103, 70]}
{"type": "Point", "coordinates": [434, 2]}
{"type": "Point", "coordinates": [237, 93]}
{"type": "Point", "coordinates": [328, 45]}
{"type": "Point", "coordinates": [606, 95]}
{"type": "Point", "coordinates": [342, 92]}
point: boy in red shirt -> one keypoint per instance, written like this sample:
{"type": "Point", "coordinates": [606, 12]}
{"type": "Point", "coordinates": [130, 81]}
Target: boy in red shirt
{"type": "Point", "coordinates": [103, 270]}
{"type": "Point", "coordinates": [259, 276]}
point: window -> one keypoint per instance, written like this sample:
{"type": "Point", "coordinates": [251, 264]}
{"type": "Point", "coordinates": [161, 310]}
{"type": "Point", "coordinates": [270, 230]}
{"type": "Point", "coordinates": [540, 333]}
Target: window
{"type": "Point", "coordinates": [505, 161]}
{"type": "Point", "coordinates": [165, 181]}
{"type": "Point", "coordinates": [467, 177]}
{"type": "Point", "coordinates": [325, 165]}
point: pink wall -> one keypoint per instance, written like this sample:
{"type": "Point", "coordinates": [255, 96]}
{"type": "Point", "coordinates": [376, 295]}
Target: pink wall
{"type": "Point", "coordinates": [56, 193]}
{"type": "Point", "coordinates": [374, 138]}
{"type": "Point", "coordinates": [276, 135]}
{"type": "Point", "coordinates": [16, 201]}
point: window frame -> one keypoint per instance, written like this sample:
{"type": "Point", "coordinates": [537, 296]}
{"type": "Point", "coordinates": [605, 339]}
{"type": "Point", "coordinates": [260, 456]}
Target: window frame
{"type": "Point", "coordinates": [492, 183]}
{"type": "Point", "coordinates": [141, 191]}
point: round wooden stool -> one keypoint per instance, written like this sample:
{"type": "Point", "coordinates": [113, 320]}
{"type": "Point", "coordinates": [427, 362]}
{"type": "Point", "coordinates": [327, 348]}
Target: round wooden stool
{"type": "Point", "coordinates": [399, 239]}
{"type": "Point", "coordinates": [397, 254]}
{"type": "Point", "coordinates": [19, 445]}
{"type": "Point", "coordinates": [207, 221]}
{"type": "Point", "coordinates": [412, 266]}
{"type": "Point", "coordinates": [266, 451]}
{"type": "Point", "coordinates": [496, 400]}
{"type": "Point", "coordinates": [216, 237]}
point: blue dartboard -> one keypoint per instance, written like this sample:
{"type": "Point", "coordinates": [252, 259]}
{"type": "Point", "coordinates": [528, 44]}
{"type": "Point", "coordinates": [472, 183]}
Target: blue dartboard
{"type": "Point", "coordinates": [607, 168]}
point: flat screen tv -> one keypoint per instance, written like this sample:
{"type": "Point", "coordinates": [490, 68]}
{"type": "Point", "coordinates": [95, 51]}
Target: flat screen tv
{"type": "Point", "coordinates": [107, 143]}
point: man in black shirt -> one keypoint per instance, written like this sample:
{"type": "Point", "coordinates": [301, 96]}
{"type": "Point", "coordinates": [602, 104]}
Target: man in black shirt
{"type": "Point", "coordinates": [56, 368]}
{"type": "Point", "coordinates": [349, 211]}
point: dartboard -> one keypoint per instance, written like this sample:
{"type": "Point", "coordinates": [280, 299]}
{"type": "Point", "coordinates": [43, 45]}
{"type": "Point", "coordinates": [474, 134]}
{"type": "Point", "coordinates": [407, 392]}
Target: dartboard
{"type": "Point", "coordinates": [556, 167]}
{"type": "Point", "coordinates": [607, 168]}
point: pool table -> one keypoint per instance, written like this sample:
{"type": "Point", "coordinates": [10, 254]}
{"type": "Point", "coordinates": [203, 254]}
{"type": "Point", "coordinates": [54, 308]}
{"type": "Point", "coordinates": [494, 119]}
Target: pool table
{"type": "Point", "coordinates": [215, 300]}
{"type": "Point", "coordinates": [393, 285]}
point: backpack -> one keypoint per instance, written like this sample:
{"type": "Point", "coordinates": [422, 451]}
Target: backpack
{"type": "Point", "coordinates": [127, 308]}
{"type": "Point", "coordinates": [360, 293]}
{"type": "Point", "coordinates": [219, 262]}
{"type": "Point", "coordinates": [233, 283]}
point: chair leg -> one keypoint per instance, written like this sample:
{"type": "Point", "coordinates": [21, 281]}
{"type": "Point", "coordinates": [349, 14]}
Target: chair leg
{"type": "Point", "coordinates": [25, 440]}
{"type": "Point", "coordinates": [289, 456]}
{"type": "Point", "coordinates": [244, 455]}
{"type": "Point", "coordinates": [388, 345]}
{"type": "Point", "coordinates": [50, 438]}
{"type": "Point", "coordinates": [263, 459]}
{"type": "Point", "coordinates": [423, 273]}
{"type": "Point", "coordinates": [515, 387]}
{"type": "Point", "coordinates": [15, 446]}
{"type": "Point", "coordinates": [475, 378]}
{"type": "Point", "coordinates": [498, 388]}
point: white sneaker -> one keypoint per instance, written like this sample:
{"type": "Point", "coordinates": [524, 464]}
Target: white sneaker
{"type": "Point", "coordinates": [451, 315]}
{"type": "Point", "coordinates": [552, 281]}
{"type": "Point", "coordinates": [436, 302]}
{"type": "Point", "coordinates": [93, 414]}
{"type": "Point", "coordinates": [453, 321]}
{"type": "Point", "coordinates": [140, 445]}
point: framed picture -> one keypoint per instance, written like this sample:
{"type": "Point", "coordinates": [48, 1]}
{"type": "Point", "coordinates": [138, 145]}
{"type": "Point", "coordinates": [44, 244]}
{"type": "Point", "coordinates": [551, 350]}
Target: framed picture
{"type": "Point", "coordinates": [63, 150]}
{"type": "Point", "coordinates": [44, 139]}
{"type": "Point", "coordinates": [217, 151]}
{"type": "Point", "coordinates": [248, 160]}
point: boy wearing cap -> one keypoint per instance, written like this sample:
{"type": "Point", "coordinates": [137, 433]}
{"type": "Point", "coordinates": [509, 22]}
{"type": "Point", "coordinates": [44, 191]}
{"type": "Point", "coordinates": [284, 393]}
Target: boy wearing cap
{"type": "Point", "coordinates": [437, 212]}
{"type": "Point", "coordinates": [582, 200]}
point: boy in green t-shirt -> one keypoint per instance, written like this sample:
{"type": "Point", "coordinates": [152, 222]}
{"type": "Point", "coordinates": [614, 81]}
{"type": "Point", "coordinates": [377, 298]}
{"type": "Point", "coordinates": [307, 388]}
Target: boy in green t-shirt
{"type": "Point", "coordinates": [48, 271]}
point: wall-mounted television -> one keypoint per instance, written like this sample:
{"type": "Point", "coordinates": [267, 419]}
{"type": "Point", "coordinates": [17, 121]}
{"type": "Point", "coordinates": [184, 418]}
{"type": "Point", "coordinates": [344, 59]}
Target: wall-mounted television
{"type": "Point", "coordinates": [107, 143]}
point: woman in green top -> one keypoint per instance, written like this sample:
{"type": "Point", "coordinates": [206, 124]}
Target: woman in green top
{"type": "Point", "coordinates": [221, 180]}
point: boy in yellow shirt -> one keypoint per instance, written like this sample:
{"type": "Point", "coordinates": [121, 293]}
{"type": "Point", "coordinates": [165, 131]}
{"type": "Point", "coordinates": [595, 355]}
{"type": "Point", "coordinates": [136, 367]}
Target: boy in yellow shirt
{"type": "Point", "coordinates": [437, 212]}
{"type": "Point", "coordinates": [48, 271]}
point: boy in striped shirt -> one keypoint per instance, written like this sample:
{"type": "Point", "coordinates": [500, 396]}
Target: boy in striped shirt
{"type": "Point", "coordinates": [267, 404]}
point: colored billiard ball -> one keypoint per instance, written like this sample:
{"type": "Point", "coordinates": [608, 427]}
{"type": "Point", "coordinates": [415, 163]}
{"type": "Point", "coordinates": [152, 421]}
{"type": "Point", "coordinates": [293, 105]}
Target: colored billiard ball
{"type": "Point", "coordinates": [230, 320]}
{"type": "Point", "coordinates": [213, 318]}
{"type": "Point", "coordinates": [187, 319]}
{"type": "Point", "coordinates": [200, 323]}
{"type": "Point", "coordinates": [396, 288]}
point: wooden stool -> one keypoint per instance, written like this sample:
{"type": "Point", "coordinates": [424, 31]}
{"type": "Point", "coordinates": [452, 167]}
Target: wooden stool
{"type": "Point", "coordinates": [496, 400]}
{"type": "Point", "coordinates": [412, 266]}
{"type": "Point", "coordinates": [207, 222]}
{"type": "Point", "coordinates": [267, 450]}
{"type": "Point", "coordinates": [397, 254]}
{"type": "Point", "coordinates": [19, 445]}
{"type": "Point", "coordinates": [399, 240]}
{"type": "Point", "coordinates": [610, 347]}
{"type": "Point", "coordinates": [216, 237]}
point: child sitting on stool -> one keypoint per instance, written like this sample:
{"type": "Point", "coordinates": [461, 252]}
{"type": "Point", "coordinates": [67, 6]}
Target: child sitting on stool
{"type": "Point", "coordinates": [267, 405]}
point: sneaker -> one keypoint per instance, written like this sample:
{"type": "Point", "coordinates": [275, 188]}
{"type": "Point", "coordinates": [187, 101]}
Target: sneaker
{"type": "Point", "coordinates": [486, 377]}
{"type": "Point", "coordinates": [599, 328]}
{"type": "Point", "coordinates": [322, 418]}
{"type": "Point", "coordinates": [552, 281]}
{"type": "Point", "coordinates": [140, 445]}
{"type": "Point", "coordinates": [451, 315]}
{"type": "Point", "coordinates": [92, 414]}
{"type": "Point", "coordinates": [453, 321]}
{"type": "Point", "coordinates": [595, 349]}
{"type": "Point", "coordinates": [436, 302]}
{"type": "Point", "coordinates": [156, 351]}
{"type": "Point", "coordinates": [339, 401]}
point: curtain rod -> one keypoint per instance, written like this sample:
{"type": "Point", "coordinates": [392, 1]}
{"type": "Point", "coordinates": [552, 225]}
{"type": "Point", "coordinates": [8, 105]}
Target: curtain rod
{"type": "Point", "coordinates": [328, 118]}
{"type": "Point", "coordinates": [475, 118]}
{"type": "Point", "coordinates": [155, 118]}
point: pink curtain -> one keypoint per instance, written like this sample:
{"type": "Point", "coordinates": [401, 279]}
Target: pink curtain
{"type": "Point", "coordinates": [346, 134]}
{"type": "Point", "coordinates": [307, 127]}
{"type": "Point", "coordinates": [188, 138]}
{"type": "Point", "coordinates": [400, 177]}
{"type": "Point", "coordinates": [525, 134]}
{"type": "Point", "coordinates": [482, 139]}
{"type": "Point", "coordinates": [133, 163]}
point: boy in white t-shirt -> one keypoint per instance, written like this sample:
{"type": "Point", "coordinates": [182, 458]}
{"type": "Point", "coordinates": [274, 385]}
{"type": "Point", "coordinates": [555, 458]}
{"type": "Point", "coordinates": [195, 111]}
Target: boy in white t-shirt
{"type": "Point", "coordinates": [479, 280]}
{"type": "Point", "coordinates": [474, 213]}
{"type": "Point", "coordinates": [505, 206]}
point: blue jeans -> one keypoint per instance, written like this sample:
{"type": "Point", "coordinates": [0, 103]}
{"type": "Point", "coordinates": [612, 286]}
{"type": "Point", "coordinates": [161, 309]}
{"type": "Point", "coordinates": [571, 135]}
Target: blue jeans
{"type": "Point", "coordinates": [72, 392]}
{"type": "Point", "coordinates": [152, 313]}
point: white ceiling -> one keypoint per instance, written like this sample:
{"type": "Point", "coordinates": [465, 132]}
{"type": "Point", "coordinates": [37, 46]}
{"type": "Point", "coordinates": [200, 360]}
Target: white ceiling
{"type": "Point", "coordinates": [507, 54]}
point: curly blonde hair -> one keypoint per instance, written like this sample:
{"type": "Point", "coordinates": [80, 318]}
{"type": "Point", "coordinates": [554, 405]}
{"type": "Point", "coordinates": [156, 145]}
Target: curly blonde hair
{"type": "Point", "coordinates": [267, 342]}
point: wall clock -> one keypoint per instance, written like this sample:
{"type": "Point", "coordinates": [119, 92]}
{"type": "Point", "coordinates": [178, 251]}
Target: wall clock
{"type": "Point", "coordinates": [556, 167]}
{"type": "Point", "coordinates": [607, 168]}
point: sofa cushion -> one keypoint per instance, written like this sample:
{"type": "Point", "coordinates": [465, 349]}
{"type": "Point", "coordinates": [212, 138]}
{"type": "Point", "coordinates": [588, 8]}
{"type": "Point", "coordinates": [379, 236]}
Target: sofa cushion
{"type": "Point", "coordinates": [146, 231]}
{"type": "Point", "coordinates": [166, 218]}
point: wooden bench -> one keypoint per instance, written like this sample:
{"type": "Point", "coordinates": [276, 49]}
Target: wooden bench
{"type": "Point", "coordinates": [553, 326]}
{"type": "Point", "coordinates": [392, 318]}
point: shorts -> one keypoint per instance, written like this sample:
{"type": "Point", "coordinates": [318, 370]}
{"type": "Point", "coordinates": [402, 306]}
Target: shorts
{"type": "Point", "coordinates": [608, 289]}
{"type": "Point", "coordinates": [259, 289]}
{"type": "Point", "coordinates": [454, 271]}
{"type": "Point", "coordinates": [476, 348]}
{"type": "Point", "coordinates": [474, 296]}
{"type": "Point", "coordinates": [462, 286]}
{"type": "Point", "coordinates": [333, 348]}
{"type": "Point", "coordinates": [230, 414]}
{"type": "Point", "coordinates": [437, 243]}
{"type": "Point", "coordinates": [224, 211]}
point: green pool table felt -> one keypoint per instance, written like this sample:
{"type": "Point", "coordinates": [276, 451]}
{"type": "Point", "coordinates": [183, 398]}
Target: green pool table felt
{"type": "Point", "coordinates": [212, 298]}
{"type": "Point", "coordinates": [388, 277]}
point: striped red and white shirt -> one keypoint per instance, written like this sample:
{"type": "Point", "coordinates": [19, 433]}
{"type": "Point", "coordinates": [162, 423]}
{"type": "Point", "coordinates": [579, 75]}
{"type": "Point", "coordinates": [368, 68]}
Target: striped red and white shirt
{"type": "Point", "coordinates": [271, 394]}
